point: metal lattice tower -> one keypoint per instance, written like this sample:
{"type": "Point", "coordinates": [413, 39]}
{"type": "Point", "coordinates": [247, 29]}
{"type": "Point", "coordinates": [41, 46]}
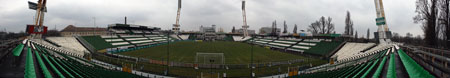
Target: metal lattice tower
{"type": "Point", "coordinates": [381, 21]}
{"type": "Point", "coordinates": [245, 26]}
{"type": "Point", "coordinates": [39, 20]}
{"type": "Point", "coordinates": [176, 26]}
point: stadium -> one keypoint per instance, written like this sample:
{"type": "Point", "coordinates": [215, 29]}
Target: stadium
{"type": "Point", "coordinates": [124, 50]}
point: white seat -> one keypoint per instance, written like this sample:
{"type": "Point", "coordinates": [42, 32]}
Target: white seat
{"type": "Point", "coordinates": [351, 50]}
{"type": "Point", "coordinates": [112, 40]}
{"type": "Point", "coordinates": [287, 42]}
{"type": "Point", "coordinates": [145, 41]}
{"type": "Point", "coordinates": [184, 37]}
{"type": "Point", "coordinates": [309, 44]}
{"type": "Point", "coordinates": [120, 43]}
{"type": "Point", "coordinates": [284, 45]}
{"type": "Point", "coordinates": [129, 39]}
{"type": "Point", "coordinates": [70, 43]}
{"type": "Point", "coordinates": [301, 47]}
{"type": "Point", "coordinates": [109, 36]}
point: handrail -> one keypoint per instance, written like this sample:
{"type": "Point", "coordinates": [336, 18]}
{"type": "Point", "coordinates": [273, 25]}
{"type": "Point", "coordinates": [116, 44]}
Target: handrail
{"type": "Point", "coordinates": [85, 44]}
{"type": "Point", "coordinates": [336, 49]}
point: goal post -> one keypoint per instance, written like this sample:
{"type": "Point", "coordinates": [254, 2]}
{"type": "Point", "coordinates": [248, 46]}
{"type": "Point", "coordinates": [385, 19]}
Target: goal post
{"type": "Point", "coordinates": [209, 58]}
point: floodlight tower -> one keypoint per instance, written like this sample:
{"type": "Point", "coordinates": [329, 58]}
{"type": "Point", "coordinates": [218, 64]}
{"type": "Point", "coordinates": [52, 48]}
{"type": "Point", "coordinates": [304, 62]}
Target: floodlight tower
{"type": "Point", "coordinates": [176, 26]}
{"type": "Point", "coordinates": [245, 26]}
{"type": "Point", "coordinates": [381, 22]}
{"type": "Point", "coordinates": [40, 8]}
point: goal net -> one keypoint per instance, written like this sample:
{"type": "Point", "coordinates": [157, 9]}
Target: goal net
{"type": "Point", "coordinates": [210, 58]}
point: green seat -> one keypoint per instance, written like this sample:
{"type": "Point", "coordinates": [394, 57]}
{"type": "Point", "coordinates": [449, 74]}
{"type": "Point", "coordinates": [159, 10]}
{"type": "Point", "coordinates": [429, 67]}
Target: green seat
{"type": "Point", "coordinates": [368, 70]}
{"type": "Point", "coordinates": [42, 65]}
{"type": "Point", "coordinates": [30, 71]}
{"type": "Point", "coordinates": [64, 68]}
{"type": "Point", "coordinates": [414, 70]}
{"type": "Point", "coordinates": [379, 69]}
{"type": "Point", "coordinates": [54, 68]}
{"type": "Point", "coordinates": [18, 50]}
{"type": "Point", "coordinates": [391, 69]}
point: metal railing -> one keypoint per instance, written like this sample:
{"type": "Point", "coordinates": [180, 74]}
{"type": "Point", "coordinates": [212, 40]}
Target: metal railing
{"type": "Point", "coordinates": [433, 60]}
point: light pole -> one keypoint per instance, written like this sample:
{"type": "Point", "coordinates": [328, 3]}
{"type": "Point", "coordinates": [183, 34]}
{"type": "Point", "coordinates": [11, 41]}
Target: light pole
{"type": "Point", "coordinates": [168, 45]}
{"type": "Point", "coordinates": [251, 58]}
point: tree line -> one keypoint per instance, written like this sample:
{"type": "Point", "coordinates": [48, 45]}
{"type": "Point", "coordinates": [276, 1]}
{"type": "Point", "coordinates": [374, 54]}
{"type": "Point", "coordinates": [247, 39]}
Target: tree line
{"type": "Point", "coordinates": [434, 17]}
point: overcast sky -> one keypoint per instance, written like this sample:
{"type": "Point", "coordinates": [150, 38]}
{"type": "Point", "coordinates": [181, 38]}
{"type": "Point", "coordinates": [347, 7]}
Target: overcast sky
{"type": "Point", "coordinates": [14, 14]}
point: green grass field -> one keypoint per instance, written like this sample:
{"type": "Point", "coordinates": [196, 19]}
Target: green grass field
{"type": "Point", "coordinates": [234, 52]}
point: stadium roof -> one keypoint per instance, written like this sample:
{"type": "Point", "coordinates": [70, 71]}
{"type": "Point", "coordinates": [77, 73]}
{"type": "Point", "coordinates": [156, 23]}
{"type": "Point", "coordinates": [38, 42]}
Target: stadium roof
{"type": "Point", "coordinates": [72, 28]}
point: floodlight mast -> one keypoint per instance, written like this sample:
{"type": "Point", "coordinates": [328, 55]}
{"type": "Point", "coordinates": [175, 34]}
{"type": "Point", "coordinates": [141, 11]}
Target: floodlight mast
{"type": "Point", "coordinates": [176, 26]}
{"type": "Point", "coordinates": [244, 26]}
{"type": "Point", "coordinates": [39, 20]}
{"type": "Point", "coordinates": [381, 22]}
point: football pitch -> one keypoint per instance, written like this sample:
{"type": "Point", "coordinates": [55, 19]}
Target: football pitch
{"type": "Point", "coordinates": [234, 52]}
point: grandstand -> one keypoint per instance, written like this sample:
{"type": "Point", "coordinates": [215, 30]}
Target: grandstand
{"type": "Point", "coordinates": [240, 38]}
{"type": "Point", "coordinates": [120, 42]}
{"type": "Point", "coordinates": [391, 62]}
{"type": "Point", "coordinates": [68, 42]}
{"type": "Point", "coordinates": [64, 50]}
{"type": "Point", "coordinates": [321, 47]}
{"type": "Point", "coordinates": [128, 29]}
{"type": "Point", "coordinates": [351, 49]}
{"type": "Point", "coordinates": [184, 37]}
{"type": "Point", "coordinates": [40, 61]}
{"type": "Point", "coordinates": [350, 59]}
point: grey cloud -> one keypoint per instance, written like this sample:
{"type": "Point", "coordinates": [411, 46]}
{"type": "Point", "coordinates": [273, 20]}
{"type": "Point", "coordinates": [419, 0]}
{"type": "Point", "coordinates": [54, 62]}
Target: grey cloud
{"type": "Point", "coordinates": [224, 13]}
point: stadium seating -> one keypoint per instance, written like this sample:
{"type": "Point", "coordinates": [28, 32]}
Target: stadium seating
{"type": "Point", "coordinates": [311, 46]}
{"type": "Point", "coordinates": [192, 37]}
{"type": "Point", "coordinates": [137, 31]}
{"type": "Point", "coordinates": [184, 37]}
{"type": "Point", "coordinates": [18, 50]}
{"type": "Point", "coordinates": [413, 69]}
{"type": "Point", "coordinates": [350, 49]}
{"type": "Point", "coordinates": [175, 36]}
{"type": "Point", "coordinates": [382, 63]}
{"type": "Point", "coordinates": [323, 47]}
{"type": "Point", "coordinates": [59, 49]}
{"type": "Point", "coordinates": [69, 43]}
{"type": "Point", "coordinates": [119, 31]}
{"type": "Point", "coordinates": [240, 38]}
{"type": "Point", "coordinates": [228, 38]}
{"type": "Point", "coordinates": [120, 43]}
{"type": "Point", "coordinates": [49, 63]}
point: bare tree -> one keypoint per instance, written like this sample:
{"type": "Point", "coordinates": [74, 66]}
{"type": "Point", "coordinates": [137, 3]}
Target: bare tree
{"type": "Point", "coordinates": [368, 33]}
{"type": "Point", "coordinates": [409, 35]}
{"type": "Point", "coordinates": [329, 25]}
{"type": "Point", "coordinates": [314, 27]}
{"type": "Point", "coordinates": [427, 15]}
{"type": "Point", "coordinates": [348, 25]}
{"type": "Point", "coordinates": [396, 37]}
{"type": "Point", "coordinates": [233, 30]}
{"type": "Point", "coordinates": [444, 21]}
{"type": "Point", "coordinates": [285, 27]}
{"type": "Point", "coordinates": [322, 26]}
{"type": "Point", "coordinates": [295, 28]}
